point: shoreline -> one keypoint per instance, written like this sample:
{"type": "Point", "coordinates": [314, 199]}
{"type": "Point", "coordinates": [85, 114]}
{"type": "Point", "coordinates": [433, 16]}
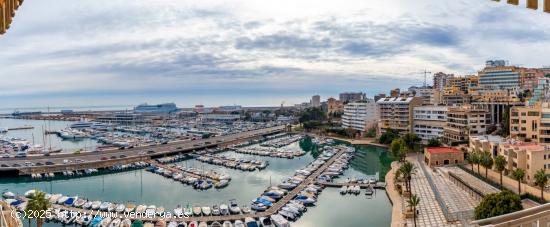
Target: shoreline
{"type": "Point", "coordinates": [395, 198]}
{"type": "Point", "coordinates": [359, 141]}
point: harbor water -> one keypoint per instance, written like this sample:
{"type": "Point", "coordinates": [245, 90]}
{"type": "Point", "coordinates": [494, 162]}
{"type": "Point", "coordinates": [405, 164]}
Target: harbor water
{"type": "Point", "coordinates": [142, 187]}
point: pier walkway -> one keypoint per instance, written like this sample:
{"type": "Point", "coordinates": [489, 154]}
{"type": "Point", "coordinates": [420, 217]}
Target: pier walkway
{"type": "Point", "coordinates": [272, 210]}
{"type": "Point", "coordinates": [176, 170]}
{"type": "Point", "coordinates": [379, 185]}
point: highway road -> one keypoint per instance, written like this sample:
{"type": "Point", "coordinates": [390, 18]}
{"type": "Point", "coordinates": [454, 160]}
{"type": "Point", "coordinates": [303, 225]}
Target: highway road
{"type": "Point", "coordinates": [74, 161]}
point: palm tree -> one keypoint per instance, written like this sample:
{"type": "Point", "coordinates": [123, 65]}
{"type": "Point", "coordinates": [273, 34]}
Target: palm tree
{"type": "Point", "coordinates": [39, 204]}
{"type": "Point", "coordinates": [413, 203]}
{"type": "Point", "coordinates": [407, 170]}
{"type": "Point", "coordinates": [475, 158]}
{"type": "Point", "coordinates": [500, 165]}
{"type": "Point", "coordinates": [541, 180]}
{"type": "Point", "coordinates": [486, 161]}
{"type": "Point", "coordinates": [472, 159]}
{"type": "Point", "coordinates": [518, 174]}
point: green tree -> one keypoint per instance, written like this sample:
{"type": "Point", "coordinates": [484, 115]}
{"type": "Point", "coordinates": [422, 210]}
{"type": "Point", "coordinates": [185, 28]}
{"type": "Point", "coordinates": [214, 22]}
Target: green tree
{"type": "Point", "coordinates": [434, 142]}
{"type": "Point", "coordinates": [518, 174]}
{"type": "Point", "coordinates": [541, 180]}
{"type": "Point", "coordinates": [413, 202]}
{"type": "Point", "coordinates": [388, 136]}
{"type": "Point", "coordinates": [407, 170]}
{"type": "Point", "coordinates": [411, 140]}
{"type": "Point", "coordinates": [505, 122]}
{"type": "Point", "coordinates": [500, 165]}
{"type": "Point", "coordinates": [496, 204]}
{"type": "Point", "coordinates": [39, 204]}
{"type": "Point", "coordinates": [486, 161]}
{"type": "Point", "coordinates": [398, 149]}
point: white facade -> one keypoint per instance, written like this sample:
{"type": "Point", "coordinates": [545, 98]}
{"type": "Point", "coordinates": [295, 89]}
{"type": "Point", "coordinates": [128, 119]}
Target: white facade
{"type": "Point", "coordinates": [316, 101]}
{"type": "Point", "coordinates": [361, 115]}
{"type": "Point", "coordinates": [429, 121]}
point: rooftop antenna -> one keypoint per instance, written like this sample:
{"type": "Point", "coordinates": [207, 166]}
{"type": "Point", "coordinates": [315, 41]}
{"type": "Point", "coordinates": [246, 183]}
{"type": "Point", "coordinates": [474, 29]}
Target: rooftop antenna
{"type": "Point", "coordinates": [426, 76]}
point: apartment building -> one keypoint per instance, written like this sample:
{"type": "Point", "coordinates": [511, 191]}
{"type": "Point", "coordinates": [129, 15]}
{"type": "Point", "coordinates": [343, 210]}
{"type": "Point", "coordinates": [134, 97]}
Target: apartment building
{"type": "Point", "coordinates": [530, 157]}
{"type": "Point", "coordinates": [531, 122]}
{"type": "Point", "coordinates": [397, 113]}
{"type": "Point", "coordinates": [499, 76]}
{"type": "Point", "coordinates": [351, 96]}
{"type": "Point", "coordinates": [464, 121]}
{"type": "Point", "coordinates": [334, 106]}
{"type": "Point", "coordinates": [429, 121]}
{"type": "Point", "coordinates": [485, 143]}
{"type": "Point", "coordinates": [441, 80]}
{"type": "Point", "coordinates": [361, 115]}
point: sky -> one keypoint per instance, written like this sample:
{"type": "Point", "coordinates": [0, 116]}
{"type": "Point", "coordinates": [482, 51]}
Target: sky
{"type": "Point", "coordinates": [250, 52]}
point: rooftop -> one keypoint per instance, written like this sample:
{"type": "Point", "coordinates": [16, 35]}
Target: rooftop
{"type": "Point", "coordinates": [441, 150]}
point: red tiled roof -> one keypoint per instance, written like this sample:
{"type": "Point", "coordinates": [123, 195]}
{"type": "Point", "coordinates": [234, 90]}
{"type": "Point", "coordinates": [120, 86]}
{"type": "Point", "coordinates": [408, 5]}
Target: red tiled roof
{"type": "Point", "coordinates": [441, 150]}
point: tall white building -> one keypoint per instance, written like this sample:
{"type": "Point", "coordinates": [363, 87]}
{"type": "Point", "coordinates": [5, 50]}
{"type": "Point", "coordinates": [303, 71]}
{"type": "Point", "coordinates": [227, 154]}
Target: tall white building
{"type": "Point", "coordinates": [429, 121]}
{"type": "Point", "coordinates": [360, 115]}
{"type": "Point", "coordinates": [316, 101]}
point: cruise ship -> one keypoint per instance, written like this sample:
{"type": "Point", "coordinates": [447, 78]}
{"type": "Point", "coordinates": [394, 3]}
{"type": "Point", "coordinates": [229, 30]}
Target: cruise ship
{"type": "Point", "coordinates": [159, 108]}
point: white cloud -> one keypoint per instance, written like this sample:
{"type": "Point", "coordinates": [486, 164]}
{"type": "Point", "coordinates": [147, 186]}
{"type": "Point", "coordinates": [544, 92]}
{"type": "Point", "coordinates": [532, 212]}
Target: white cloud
{"type": "Point", "coordinates": [268, 47]}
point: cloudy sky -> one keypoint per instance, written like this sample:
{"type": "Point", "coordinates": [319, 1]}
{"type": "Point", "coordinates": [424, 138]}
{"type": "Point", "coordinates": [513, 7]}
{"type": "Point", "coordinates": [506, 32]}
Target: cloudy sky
{"type": "Point", "coordinates": [250, 52]}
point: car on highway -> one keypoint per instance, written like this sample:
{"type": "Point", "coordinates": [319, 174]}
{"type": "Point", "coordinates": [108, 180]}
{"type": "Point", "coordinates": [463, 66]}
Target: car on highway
{"type": "Point", "coordinates": [67, 161]}
{"type": "Point", "coordinates": [16, 165]}
{"type": "Point", "coordinates": [49, 163]}
{"type": "Point", "coordinates": [150, 151]}
{"type": "Point", "coordinates": [104, 158]}
{"type": "Point", "coordinates": [6, 156]}
{"type": "Point", "coordinates": [29, 164]}
{"type": "Point", "coordinates": [4, 165]}
{"type": "Point", "coordinates": [39, 164]}
{"type": "Point", "coordinates": [122, 156]}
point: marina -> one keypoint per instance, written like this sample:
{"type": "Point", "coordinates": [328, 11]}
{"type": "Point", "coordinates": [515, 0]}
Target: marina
{"type": "Point", "coordinates": [179, 163]}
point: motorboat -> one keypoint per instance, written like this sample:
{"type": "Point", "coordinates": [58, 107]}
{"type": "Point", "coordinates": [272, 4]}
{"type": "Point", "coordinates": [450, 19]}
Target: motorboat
{"type": "Point", "coordinates": [86, 220]}
{"type": "Point", "coordinates": [266, 222]}
{"type": "Point", "coordinates": [203, 224]}
{"type": "Point", "coordinates": [197, 211]}
{"type": "Point", "coordinates": [182, 224]}
{"type": "Point", "coordinates": [239, 223]}
{"type": "Point", "coordinates": [70, 201]}
{"type": "Point", "coordinates": [96, 221]}
{"type": "Point", "coordinates": [193, 224]}
{"type": "Point", "coordinates": [120, 208]}
{"type": "Point", "coordinates": [288, 215]}
{"type": "Point", "coordinates": [141, 209]}
{"type": "Point", "coordinates": [137, 223]}
{"type": "Point", "coordinates": [111, 207]}
{"type": "Point", "coordinates": [215, 209]}
{"type": "Point", "coordinates": [126, 223]}
{"type": "Point", "coordinates": [151, 210]}
{"type": "Point", "coordinates": [206, 211]}
{"type": "Point", "coordinates": [8, 195]}
{"type": "Point", "coordinates": [104, 206]}
{"type": "Point", "coordinates": [227, 224]}
{"type": "Point", "coordinates": [148, 224]}
{"type": "Point", "coordinates": [188, 211]}
{"type": "Point", "coordinates": [215, 224]}
{"type": "Point", "coordinates": [62, 199]}
{"type": "Point", "coordinates": [115, 223]}
{"type": "Point", "coordinates": [245, 209]}
{"type": "Point", "coordinates": [224, 209]}
{"type": "Point", "coordinates": [258, 207]}
{"type": "Point", "coordinates": [178, 211]}
{"type": "Point", "coordinates": [160, 210]}
{"type": "Point", "coordinates": [80, 203]}
{"type": "Point", "coordinates": [172, 224]}
{"type": "Point", "coordinates": [96, 205]}
{"type": "Point", "coordinates": [130, 207]}
{"type": "Point", "coordinates": [30, 193]}
{"type": "Point", "coordinates": [160, 223]}
{"type": "Point", "coordinates": [279, 221]}
{"type": "Point", "coordinates": [251, 222]}
{"type": "Point", "coordinates": [105, 222]}
{"type": "Point", "coordinates": [234, 207]}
